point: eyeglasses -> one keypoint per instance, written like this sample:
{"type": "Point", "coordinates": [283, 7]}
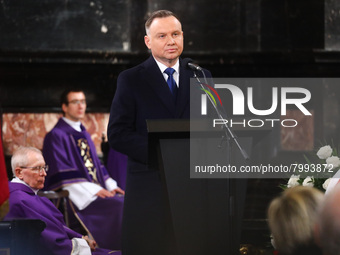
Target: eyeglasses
{"type": "Point", "coordinates": [37, 168]}
{"type": "Point", "coordinates": [78, 102]}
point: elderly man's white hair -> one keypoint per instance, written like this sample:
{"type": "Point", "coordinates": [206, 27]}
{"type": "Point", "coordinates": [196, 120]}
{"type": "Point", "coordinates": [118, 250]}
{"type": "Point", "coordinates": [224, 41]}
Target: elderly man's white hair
{"type": "Point", "coordinates": [21, 155]}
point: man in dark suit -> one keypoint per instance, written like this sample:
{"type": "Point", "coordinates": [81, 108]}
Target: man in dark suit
{"type": "Point", "coordinates": [145, 92]}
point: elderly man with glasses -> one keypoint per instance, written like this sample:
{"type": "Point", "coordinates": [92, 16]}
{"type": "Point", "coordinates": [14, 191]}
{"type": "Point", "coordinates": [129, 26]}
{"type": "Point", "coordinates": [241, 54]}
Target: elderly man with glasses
{"type": "Point", "coordinates": [30, 170]}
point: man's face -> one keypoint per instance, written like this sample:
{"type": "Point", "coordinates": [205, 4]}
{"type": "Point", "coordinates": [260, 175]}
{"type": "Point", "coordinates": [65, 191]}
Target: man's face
{"type": "Point", "coordinates": [165, 40]}
{"type": "Point", "coordinates": [75, 110]}
{"type": "Point", "coordinates": [33, 177]}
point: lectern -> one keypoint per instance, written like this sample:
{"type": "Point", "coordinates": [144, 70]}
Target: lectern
{"type": "Point", "coordinates": [205, 214]}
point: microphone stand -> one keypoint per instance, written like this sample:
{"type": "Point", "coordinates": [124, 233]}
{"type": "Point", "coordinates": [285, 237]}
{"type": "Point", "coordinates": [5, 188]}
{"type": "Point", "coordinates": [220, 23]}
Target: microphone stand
{"type": "Point", "coordinates": [229, 137]}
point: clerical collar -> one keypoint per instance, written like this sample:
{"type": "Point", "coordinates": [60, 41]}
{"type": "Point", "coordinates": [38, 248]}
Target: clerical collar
{"type": "Point", "coordinates": [17, 180]}
{"type": "Point", "coordinates": [74, 124]}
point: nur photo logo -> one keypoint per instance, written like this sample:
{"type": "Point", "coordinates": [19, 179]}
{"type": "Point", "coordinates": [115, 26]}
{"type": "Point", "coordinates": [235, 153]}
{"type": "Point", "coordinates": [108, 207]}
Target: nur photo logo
{"type": "Point", "coordinates": [243, 102]}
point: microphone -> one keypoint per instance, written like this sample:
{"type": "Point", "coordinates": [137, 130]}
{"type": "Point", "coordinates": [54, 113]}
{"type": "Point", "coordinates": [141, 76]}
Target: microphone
{"type": "Point", "coordinates": [194, 67]}
{"type": "Point", "coordinates": [189, 63]}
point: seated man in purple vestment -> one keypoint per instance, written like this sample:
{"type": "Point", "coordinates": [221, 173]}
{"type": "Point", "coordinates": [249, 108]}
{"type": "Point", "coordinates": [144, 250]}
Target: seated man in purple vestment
{"type": "Point", "coordinates": [74, 165]}
{"type": "Point", "coordinates": [29, 169]}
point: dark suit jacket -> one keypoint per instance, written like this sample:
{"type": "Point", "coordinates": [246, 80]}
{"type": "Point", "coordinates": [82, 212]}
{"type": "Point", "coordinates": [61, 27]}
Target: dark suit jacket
{"type": "Point", "coordinates": [142, 93]}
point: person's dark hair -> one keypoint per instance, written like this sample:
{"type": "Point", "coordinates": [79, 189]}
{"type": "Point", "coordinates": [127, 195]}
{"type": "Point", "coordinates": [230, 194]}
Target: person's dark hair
{"type": "Point", "coordinates": [158, 14]}
{"type": "Point", "coordinates": [64, 95]}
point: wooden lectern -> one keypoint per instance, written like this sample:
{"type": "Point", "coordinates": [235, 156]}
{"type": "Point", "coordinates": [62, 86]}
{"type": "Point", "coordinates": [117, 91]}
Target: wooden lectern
{"type": "Point", "coordinates": [204, 214]}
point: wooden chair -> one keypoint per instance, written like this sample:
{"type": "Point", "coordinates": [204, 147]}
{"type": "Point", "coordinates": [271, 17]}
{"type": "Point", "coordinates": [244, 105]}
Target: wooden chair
{"type": "Point", "coordinates": [59, 199]}
{"type": "Point", "coordinates": [65, 205]}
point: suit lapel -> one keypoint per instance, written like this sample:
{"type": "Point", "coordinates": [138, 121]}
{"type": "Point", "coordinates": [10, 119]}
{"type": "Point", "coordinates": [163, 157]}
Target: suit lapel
{"type": "Point", "coordinates": [156, 81]}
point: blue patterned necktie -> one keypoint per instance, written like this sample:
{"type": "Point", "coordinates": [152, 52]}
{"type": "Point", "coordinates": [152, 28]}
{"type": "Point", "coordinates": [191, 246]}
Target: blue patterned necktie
{"type": "Point", "coordinates": [171, 81]}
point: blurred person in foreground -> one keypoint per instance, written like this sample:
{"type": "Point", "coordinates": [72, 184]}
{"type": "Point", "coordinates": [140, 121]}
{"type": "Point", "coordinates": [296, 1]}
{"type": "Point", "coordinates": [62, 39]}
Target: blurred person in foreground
{"type": "Point", "coordinates": [327, 230]}
{"type": "Point", "coordinates": [30, 170]}
{"type": "Point", "coordinates": [292, 217]}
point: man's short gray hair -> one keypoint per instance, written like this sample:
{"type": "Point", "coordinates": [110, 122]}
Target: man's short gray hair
{"type": "Point", "coordinates": [21, 155]}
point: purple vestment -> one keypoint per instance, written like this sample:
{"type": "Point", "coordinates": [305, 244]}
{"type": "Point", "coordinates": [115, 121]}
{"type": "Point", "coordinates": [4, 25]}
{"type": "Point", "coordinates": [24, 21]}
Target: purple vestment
{"type": "Point", "coordinates": [116, 166]}
{"type": "Point", "coordinates": [56, 237]}
{"type": "Point", "coordinates": [103, 217]}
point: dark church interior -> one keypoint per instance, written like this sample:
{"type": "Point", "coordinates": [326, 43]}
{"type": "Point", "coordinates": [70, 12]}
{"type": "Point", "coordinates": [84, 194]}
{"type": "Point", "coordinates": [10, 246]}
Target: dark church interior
{"type": "Point", "coordinates": [47, 46]}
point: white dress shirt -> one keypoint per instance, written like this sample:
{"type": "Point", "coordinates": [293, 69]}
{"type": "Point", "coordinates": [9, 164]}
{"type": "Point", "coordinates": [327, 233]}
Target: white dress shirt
{"type": "Point", "coordinates": [162, 67]}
